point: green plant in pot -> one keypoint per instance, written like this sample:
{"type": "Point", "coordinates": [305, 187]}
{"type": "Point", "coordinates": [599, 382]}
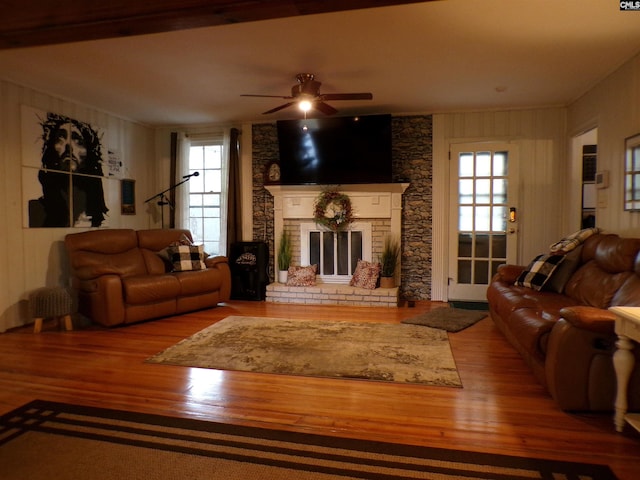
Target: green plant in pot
{"type": "Point", "coordinates": [389, 262]}
{"type": "Point", "coordinates": [285, 252]}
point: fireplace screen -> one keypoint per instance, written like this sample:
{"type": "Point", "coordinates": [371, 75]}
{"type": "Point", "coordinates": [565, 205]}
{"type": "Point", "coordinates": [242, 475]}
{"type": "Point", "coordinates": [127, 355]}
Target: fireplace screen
{"type": "Point", "coordinates": [335, 253]}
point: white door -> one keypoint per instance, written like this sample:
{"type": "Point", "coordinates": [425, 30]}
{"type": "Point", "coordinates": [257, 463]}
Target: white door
{"type": "Point", "coordinates": [483, 216]}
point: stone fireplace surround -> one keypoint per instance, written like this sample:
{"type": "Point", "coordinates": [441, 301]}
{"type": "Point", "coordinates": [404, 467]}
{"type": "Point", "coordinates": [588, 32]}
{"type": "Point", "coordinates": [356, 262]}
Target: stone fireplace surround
{"type": "Point", "coordinates": [378, 204]}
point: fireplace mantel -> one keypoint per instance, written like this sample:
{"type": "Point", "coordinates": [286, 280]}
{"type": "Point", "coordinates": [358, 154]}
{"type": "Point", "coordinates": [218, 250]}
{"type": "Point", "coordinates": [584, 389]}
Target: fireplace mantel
{"type": "Point", "coordinates": [377, 200]}
{"type": "Point", "coordinates": [369, 201]}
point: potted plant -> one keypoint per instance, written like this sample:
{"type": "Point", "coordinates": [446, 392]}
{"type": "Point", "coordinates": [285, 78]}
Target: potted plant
{"type": "Point", "coordinates": [389, 261]}
{"type": "Point", "coordinates": [285, 252]}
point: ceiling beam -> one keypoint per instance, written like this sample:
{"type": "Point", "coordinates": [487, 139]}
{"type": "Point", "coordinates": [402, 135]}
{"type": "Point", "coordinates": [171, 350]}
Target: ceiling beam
{"type": "Point", "coordinates": [42, 22]}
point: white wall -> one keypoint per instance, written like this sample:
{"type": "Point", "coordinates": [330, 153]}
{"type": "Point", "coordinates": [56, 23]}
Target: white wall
{"type": "Point", "coordinates": [540, 135]}
{"type": "Point", "coordinates": [35, 257]}
{"type": "Point", "coordinates": [613, 106]}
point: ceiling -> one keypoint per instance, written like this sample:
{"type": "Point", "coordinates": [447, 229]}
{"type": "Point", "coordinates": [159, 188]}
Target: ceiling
{"type": "Point", "coordinates": [449, 55]}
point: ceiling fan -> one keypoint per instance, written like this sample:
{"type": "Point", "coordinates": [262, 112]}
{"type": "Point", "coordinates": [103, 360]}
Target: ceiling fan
{"type": "Point", "coordinates": [308, 90]}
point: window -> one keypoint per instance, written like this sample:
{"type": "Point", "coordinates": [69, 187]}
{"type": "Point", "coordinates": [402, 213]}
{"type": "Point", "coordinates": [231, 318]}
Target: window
{"type": "Point", "coordinates": [205, 194]}
{"type": "Point", "coordinates": [482, 214]}
{"type": "Point", "coordinates": [632, 174]}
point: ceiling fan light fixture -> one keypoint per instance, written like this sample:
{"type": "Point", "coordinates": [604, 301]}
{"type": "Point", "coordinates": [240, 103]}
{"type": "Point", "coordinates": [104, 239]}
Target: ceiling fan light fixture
{"type": "Point", "coordinates": [305, 105]}
{"type": "Point", "coordinates": [306, 95]}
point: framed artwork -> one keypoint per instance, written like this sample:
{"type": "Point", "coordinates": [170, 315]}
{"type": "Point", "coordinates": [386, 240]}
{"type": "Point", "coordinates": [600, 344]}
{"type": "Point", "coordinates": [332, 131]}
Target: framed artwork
{"type": "Point", "coordinates": [128, 196]}
{"type": "Point", "coordinates": [64, 184]}
{"type": "Point", "coordinates": [632, 173]}
{"type": "Point", "coordinates": [114, 163]}
{"type": "Point", "coordinates": [272, 173]}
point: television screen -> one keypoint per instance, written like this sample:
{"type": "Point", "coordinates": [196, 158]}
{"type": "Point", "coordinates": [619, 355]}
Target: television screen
{"type": "Point", "coordinates": [335, 150]}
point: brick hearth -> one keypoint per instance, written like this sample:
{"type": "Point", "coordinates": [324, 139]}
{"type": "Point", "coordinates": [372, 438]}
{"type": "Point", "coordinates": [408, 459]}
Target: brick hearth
{"type": "Point", "coordinates": [332, 294]}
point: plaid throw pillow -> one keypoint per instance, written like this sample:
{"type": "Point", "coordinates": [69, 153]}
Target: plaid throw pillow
{"type": "Point", "coordinates": [572, 241]}
{"type": "Point", "coordinates": [539, 271]}
{"type": "Point", "coordinates": [165, 255]}
{"type": "Point", "coordinates": [185, 258]}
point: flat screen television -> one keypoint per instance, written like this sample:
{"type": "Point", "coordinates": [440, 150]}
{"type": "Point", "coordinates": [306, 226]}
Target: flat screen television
{"type": "Point", "coordinates": [335, 150]}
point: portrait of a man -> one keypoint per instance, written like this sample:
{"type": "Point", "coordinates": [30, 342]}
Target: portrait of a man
{"type": "Point", "coordinates": [70, 175]}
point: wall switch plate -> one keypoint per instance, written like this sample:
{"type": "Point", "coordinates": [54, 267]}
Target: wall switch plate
{"type": "Point", "coordinates": [602, 179]}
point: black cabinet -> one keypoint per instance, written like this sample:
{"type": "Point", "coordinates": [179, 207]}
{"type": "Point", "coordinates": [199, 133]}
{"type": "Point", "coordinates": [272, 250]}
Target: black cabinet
{"type": "Point", "coordinates": [249, 263]}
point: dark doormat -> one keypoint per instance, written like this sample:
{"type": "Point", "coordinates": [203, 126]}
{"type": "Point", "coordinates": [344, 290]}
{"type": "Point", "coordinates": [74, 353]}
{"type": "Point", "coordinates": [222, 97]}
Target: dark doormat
{"type": "Point", "coordinates": [469, 305]}
{"type": "Point", "coordinates": [449, 319]}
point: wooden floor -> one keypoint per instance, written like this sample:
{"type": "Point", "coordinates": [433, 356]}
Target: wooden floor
{"type": "Point", "coordinates": [500, 409]}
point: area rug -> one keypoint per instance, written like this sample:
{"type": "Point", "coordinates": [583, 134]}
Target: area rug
{"type": "Point", "coordinates": [45, 440]}
{"type": "Point", "coordinates": [369, 351]}
{"type": "Point", "coordinates": [449, 319]}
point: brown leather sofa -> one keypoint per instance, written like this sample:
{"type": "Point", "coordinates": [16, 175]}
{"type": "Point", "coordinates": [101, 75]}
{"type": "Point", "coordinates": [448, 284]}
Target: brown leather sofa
{"type": "Point", "coordinates": [120, 277]}
{"type": "Point", "coordinates": [567, 337]}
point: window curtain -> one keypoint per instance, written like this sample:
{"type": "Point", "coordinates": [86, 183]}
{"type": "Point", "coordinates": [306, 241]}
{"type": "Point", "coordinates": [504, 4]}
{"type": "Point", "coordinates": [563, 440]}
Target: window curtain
{"type": "Point", "coordinates": [224, 189]}
{"type": "Point", "coordinates": [181, 205]}
{"type": "Point", "coordinates": [234, 211]}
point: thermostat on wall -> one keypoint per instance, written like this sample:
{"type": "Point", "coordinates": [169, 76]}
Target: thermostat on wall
{"type": "Point", "coordinates": [602, 179]}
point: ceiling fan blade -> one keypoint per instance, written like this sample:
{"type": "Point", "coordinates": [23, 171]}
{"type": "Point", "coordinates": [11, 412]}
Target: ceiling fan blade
{"type": "Point", "coordinates": [347, 96]}
{"type": "Point", "coordinates": [308, 89]}
{"type": "Point", "coordinates": [273, 110]}
{"type": "Point", "coordinates": [324, 108]}
{"type": "Point", "coordinates": [265, 96]}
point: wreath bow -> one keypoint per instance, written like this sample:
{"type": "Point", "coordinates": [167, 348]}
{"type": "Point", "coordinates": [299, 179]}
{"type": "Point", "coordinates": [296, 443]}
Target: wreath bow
{"type": "Point", "coordinates": [333, 210]}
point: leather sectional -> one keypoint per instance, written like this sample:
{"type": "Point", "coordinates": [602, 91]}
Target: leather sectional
{"type": "Point", "coordinates": [567, 336]}
{"type": "Point", "coordinates": [121, 277]}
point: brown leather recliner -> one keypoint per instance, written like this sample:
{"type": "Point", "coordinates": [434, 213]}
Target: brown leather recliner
{"type": "Point", "coordinates": [567, 338]}
{"type": "Point", "coordinates": [121, 278]}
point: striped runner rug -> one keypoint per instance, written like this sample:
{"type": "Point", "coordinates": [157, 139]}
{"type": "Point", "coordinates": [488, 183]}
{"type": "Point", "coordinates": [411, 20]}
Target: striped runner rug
{"type": "Point", "coordinates": [46, 440]}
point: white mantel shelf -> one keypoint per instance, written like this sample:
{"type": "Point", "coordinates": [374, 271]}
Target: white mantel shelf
{"type": "Point", "coordinates": [371, 200]}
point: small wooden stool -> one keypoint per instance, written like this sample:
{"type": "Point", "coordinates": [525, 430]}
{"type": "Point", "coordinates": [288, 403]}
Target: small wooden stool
{"type": "Point", "coordinates": [51, 302]}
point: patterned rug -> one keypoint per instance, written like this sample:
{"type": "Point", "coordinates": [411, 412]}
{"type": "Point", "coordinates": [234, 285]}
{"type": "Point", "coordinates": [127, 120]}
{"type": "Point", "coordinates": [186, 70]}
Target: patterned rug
{"type": "Point", "coordinates": [45, 440]}
{"type": "Point", "coordinates": [369, 351]}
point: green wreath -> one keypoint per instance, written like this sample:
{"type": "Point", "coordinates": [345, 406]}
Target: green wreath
{"type": "Point", "coordinates": [333, 210]}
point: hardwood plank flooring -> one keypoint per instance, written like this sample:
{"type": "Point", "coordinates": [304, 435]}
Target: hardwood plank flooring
{"type": "Point", "coordinates": [500, 409]}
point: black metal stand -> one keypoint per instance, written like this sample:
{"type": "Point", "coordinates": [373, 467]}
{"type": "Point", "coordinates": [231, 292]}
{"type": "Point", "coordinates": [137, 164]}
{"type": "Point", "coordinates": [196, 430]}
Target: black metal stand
{"type": "Point", "coordinates": [163, 200]}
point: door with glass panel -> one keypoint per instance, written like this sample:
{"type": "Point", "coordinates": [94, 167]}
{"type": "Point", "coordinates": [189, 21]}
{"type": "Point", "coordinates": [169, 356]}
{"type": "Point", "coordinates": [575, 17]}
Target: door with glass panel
{"type": "Point", "coordinates": [484, 216]}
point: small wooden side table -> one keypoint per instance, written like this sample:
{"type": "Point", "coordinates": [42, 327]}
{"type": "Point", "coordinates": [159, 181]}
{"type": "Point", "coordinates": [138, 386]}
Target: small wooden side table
{"type": "Point", "coordinates": [628, 331]}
